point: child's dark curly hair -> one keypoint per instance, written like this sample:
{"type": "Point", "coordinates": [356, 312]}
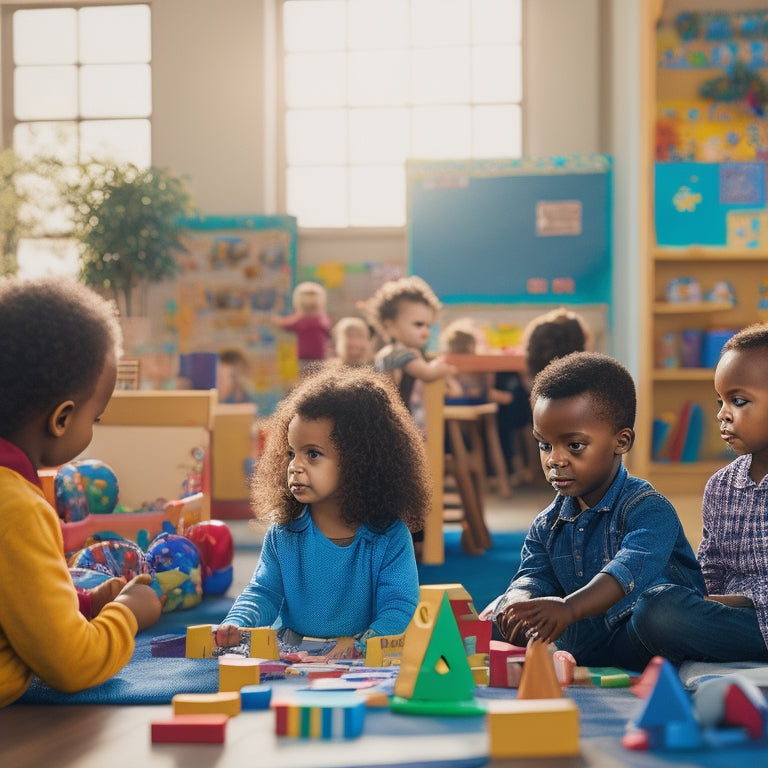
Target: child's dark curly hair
{"type": "Point", "coordinates": [752, 337]}
{"type": "Point", "coordinates": [384, 473]}
{"type": "Point", "coordinates": [604, 380]}
{"type": "Point", "coordinates": [385, 303]}
{"type": "Point", "coordinates": [56, 335]}
{"type": "Point", "coordinates": [552, 335]}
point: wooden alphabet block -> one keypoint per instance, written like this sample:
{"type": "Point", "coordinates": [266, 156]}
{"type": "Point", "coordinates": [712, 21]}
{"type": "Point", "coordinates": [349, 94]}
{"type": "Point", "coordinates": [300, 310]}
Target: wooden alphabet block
{"type": "Point", "coordinates": [263, 642]}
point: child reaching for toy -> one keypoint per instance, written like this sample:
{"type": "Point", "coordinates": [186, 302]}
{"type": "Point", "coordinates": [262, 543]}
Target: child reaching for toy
{"type": "Point", "coordinates": [342, 479]}
{"type": "Point", "coordinates": [607, 538]}
{"type": "Point", "coordinates": [403, 312]}
{"type": "Point", "coordinates": [58, 366]}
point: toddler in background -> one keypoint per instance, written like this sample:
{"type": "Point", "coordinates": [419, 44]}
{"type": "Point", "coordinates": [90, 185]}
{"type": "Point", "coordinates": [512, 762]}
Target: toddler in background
{"type": "Point", "coordinates": [460, 338]}
{"type": "Point", "coordinates": [342, 479]}
{"type": "Point", "coordinates": [403, 312]}
{"type": "Point", "coordinates": [232, 378]}
{"type": "Point", "coordinates": [58, 367]}
{"type": "Point", "coordinates": [548, 336]}
{"type": "Point", "coordinates": [352, 342]}
{"type": "Point", "coordinates": [309, 322]}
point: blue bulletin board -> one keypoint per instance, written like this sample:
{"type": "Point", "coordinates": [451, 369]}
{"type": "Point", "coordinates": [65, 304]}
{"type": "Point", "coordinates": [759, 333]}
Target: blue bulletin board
{"type": "Point", "coordinates": [512, 231]}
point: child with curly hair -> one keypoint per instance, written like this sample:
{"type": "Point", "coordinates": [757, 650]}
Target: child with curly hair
{"type": "Point", "coordinates": [58, 367]}
{"type": "Point", "coordinates": [403, 311]}
{"type": "Point", "coordinates": [342, 479]}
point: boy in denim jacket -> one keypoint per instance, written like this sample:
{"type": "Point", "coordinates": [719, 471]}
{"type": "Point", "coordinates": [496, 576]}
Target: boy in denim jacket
{"type": "Point", "coordinates": [606, 538]}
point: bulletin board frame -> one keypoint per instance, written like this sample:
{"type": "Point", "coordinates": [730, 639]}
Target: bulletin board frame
{"type": "Point", "coordinates": [534, 231]}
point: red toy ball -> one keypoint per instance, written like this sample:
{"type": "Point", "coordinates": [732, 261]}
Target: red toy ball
{"type": "Point", "coordinates": [213, 540]}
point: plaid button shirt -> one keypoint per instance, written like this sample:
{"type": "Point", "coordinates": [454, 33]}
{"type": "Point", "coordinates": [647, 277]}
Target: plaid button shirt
{"type": "Point", "coordinates": [734, 549]}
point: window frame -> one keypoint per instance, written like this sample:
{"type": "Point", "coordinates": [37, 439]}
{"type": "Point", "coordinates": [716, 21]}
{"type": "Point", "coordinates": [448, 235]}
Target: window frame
{"type": "Point", "coordinates": [281, 109]}
{"type": "Point", "coordinates": [9, 121]}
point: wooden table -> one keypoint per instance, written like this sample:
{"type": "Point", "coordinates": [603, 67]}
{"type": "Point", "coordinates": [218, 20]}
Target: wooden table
{"type": "Point", "coordinates": [433, 552]}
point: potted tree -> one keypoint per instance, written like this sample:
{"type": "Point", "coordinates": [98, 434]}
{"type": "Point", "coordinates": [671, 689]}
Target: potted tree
{"type": "Point", "coordinates": [127, 221]}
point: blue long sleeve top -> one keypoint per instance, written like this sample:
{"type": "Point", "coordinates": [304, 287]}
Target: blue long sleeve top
{"type": "Point", "coordinates": [320, 589]}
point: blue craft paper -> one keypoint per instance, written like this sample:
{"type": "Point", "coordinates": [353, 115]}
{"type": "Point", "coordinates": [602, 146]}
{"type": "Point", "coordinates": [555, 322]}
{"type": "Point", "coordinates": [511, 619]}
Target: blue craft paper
{"type": "Point", "coordinates": [687, 202]}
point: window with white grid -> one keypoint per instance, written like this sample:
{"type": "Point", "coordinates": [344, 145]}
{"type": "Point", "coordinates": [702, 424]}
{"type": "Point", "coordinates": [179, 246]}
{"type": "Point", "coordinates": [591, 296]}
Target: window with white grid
{"type": "Point", "coordinates": [369, 83]}
{"type": "Point", "coordinates": [80, 89]}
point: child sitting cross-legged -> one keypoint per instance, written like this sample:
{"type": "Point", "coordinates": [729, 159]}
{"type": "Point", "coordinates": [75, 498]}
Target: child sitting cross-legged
{"type": "Point", "coordinates": [607, 539]}
{"type": "Point", "coordinates": [58, 367]}
{"type": "Point", "coordinates": [342, 478]}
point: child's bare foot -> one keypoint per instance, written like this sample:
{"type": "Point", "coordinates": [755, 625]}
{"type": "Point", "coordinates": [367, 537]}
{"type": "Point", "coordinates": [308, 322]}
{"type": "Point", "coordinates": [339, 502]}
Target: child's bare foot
{"type": "Point", "coordinates": [105, 593]}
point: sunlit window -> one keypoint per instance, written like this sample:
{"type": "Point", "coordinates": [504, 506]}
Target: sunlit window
{"type": "Point", "coordinates": [370, 83]}
{"type": "Point", "coordinates": [81, 89]}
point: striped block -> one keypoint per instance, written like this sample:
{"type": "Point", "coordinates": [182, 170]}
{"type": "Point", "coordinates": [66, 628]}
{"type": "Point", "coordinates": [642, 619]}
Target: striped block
{"type": "Point", "coordinates": [322, 717]}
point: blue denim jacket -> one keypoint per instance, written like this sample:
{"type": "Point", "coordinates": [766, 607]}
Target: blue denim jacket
{"type": "Point", "coordinates": [634, 534]}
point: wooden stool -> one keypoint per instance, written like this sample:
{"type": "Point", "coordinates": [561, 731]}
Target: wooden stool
{"type": "Point", "coordinates": [468, 467]}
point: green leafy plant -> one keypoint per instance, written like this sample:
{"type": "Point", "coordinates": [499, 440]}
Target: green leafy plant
{"type": "Point", "coordinates": [16, 219]}
{"type": "Point", "coordinates": [126, 220]}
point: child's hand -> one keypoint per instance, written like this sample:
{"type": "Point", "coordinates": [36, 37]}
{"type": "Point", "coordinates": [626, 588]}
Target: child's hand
{"type": "Point", "coordinates": [227, 635]}
{"type": "Point", "coordinates": [344, 649]}
{"type": "Point", "coordinates": [543, 618]}
{"type": "Point", "coordinates": [142, 600]}
{"type": "Point", "coordinates": [511, 628]}
{"type": "Point", "coordinates": [105, 593]}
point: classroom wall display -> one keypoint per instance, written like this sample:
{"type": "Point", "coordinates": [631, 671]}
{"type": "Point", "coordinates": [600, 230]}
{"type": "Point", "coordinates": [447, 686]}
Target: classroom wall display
{"type": "Point", "coordinates": [235, 273]}
{"type": "Point", "coordinates": [533, 231]}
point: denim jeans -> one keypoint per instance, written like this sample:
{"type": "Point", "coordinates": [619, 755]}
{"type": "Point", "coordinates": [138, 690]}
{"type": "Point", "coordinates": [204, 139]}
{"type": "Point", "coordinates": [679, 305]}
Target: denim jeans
{"type": "Point", "coordinates": [675, 622]}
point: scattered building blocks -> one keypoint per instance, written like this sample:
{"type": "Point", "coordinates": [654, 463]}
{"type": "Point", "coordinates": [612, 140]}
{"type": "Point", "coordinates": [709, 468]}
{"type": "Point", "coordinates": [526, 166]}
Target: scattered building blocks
{"type": "Point", "coordinates": [200, 642]}
{"type": "Point", "coordinates": [435, 677]}
{"type": "Point", "coordinates": [224, 702]}
{"type": "Point", "coordinates": [237, 671]}
{"type": "Point", "coordinates": [505, 664]}
{"type": "Point", "coordinates": [538, 680]}
{"type": "Point", "coordinates": [667, 716]}
{"type": "Point", "coordinates": [565, 665]}
{"type": "Point", "coordinates": [533, 728]}
{"type": "Point", "coordinates": [263, 642]}
{"type": "Point", "coordinates": [480, 675]}
{"type": "Point", "coordinates": [190, 729]}
{"type": "Point", "coordinates": [321, 716]}
{"type": "Point", "coordinates": [255, 696]}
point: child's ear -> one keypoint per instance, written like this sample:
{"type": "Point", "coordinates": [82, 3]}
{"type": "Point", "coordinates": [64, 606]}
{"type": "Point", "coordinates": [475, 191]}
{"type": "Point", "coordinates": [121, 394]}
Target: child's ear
{"type": "Point", "coordinates": [59, 419]}
{"type": "Point", "coordinates": [625, 439]}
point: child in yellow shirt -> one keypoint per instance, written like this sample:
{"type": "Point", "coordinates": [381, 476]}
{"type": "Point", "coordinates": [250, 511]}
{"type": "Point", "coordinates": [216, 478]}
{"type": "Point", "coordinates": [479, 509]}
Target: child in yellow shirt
{"type": "Point", "coordinates": [58, 366]}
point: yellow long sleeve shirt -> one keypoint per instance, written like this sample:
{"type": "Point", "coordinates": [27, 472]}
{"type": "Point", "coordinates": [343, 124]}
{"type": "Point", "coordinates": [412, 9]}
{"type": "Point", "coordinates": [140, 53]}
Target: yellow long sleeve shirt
{"type": "Point", "coordinates": [42, 631]}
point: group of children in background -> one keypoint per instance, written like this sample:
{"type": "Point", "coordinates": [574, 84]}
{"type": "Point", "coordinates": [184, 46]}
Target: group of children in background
{"type": "Point", "coordinates": [606, 571]}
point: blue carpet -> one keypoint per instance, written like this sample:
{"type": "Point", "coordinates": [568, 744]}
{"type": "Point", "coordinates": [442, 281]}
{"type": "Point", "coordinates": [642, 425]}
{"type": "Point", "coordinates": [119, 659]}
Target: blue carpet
{"type": "Point", "coordinates": [484, 576]}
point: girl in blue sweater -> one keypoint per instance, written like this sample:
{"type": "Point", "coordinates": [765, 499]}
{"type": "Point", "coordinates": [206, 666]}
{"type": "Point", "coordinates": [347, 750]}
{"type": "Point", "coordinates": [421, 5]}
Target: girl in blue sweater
{"type": "Point", "coordinates": [342, 479]}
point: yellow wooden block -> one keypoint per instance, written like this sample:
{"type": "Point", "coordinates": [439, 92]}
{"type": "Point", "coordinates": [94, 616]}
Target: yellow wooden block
{"type": "Point", "coordinates": [224, 702]}
{"type": "Point", "coordinates": [237, 671]}
{"type": "Point", "coordinates": [384, 650]}
{"type": "Point", "coordinates": [533, 727]}
{"type": "Point", "coordinates": [200, 642]}
{"type": "Point", "coordinates": [263, 642]}
{"type": "Point", "coordinates": [481, 676]}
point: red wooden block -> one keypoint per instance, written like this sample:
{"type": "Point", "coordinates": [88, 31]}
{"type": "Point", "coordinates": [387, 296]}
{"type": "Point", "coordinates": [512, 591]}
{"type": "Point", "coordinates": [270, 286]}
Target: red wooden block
{"type": "Point", "coordinates": [739, 710]}
{"type": "Point", "coordinates": [190, 729]}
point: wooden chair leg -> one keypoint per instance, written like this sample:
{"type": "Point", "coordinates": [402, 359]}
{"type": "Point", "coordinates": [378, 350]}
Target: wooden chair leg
{"type": "Point", "coordinates": [493, 443]}
{"type": "Point", "coordinates": [477, 537]}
